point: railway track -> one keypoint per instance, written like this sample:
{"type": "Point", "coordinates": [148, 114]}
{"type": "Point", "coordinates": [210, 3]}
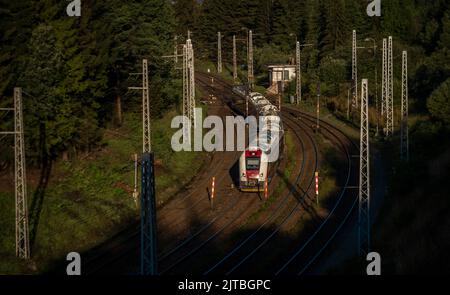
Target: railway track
{"type": "Point", "coordinates": [303, 257]}
{"type": "Point", "coordinates": [180, 258]}
{"type": "Point", "coordinates": [287, 208]}
{"type": "Point", "coordinates": [124, 251]}
{"type": "Point", "coordinates": [325, 233]}
{"type": "Point", "coordinates": [186, 259]}
{"type": "Point", "coordinates": [196, 199]}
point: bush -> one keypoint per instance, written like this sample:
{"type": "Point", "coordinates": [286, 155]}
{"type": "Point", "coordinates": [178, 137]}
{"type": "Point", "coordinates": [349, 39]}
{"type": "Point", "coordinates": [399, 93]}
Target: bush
{"type": "Point", "coordinates": [332, 72]}
{"type": "Point", "coordinates": [438, 103]}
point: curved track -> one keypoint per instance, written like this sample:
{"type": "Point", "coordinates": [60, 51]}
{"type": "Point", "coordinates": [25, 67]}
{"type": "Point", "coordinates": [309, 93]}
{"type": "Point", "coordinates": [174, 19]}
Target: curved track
{"type": "Point", "coordinates": [192, 236]}
{"type": "Point", "coordinates": [312, 246]}
{"type": "Point", "coordinates": [126, 249]}
{"type": "Point", "coordinates": [188, 262]}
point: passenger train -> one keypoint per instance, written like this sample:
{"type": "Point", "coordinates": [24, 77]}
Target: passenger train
{"type": "Point", "coordinates": [254, 163]}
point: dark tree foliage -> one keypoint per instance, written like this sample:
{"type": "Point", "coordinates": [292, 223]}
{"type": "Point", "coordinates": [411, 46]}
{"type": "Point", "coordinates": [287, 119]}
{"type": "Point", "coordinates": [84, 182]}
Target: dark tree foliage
{"type": "Point", "coordinates": [76, 69]}
{"type": "Point", "coordinates": [439, 103]}
{"type": "Point", "coordinates": [186, 12]}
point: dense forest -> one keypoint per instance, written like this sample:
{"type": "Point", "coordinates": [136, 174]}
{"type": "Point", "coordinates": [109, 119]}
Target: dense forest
{"type": "Point", "coordinates": [75, 71]}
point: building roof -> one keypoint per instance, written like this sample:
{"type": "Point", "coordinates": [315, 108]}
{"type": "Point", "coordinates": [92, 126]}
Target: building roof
{"type": "Point", "coordinates": [281, 66]}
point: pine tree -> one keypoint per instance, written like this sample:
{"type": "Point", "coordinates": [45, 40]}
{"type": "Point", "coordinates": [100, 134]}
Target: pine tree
{"type": "Point", "coordinates": [16, 23]}
{"type": "Point", "coordinates": [444, 41]}
{"type": "Point", "coordinates": [281, 27]}
{"type": "Point", "coordinates": [186, 13]}
{"type": "Point", "coordinates": [336, 29]}
{"type": "Point", "coordinates": [140, 33]}
{"type": "Point", "coordinates": [264, 21]}
{"type": "Point", "coordinates": [41, 76]}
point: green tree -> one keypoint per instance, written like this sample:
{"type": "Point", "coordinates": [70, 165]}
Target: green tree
{"type": "Point", "coordinates": [139, 33]}
{"type": "Point", "coordinates": [336, 29]}
{"type": "Point", "coordinates": [281, 26]}
{"type": "Point", "coordinates": [186, 13]}
{"type": "Point", "coordinates": [439, 103]}
{"type": "Point", "coordinates": [332, 72]}
{"type": "Point", "coordinates": [44, 109]}
{"type": "Point", "coordinates": [16, 24]}
{"type": "Point", "coordinates": [444, 41]}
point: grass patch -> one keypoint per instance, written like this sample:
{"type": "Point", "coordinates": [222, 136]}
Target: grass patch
{"type": "Point", "coordinates": [328, 178]}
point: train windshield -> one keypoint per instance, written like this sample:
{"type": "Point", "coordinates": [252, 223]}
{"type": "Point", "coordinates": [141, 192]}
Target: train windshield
{"type": "Point", "coordinates": [252, 163]}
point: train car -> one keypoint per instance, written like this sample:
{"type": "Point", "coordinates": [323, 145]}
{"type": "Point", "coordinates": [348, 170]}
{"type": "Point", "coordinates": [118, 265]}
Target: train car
{"type": "Point", "coordinates": [254, 96]}
{"type": "Point", "coordinates": [254, 163]}
{"type": "Point", "coordinates": [261, 103]}
{"type": "Point", "coordinates": [253, 168]}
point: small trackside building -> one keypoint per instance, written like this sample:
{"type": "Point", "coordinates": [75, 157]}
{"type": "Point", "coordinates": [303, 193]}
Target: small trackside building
{"type": "Point", "coordinates": [280, 73]}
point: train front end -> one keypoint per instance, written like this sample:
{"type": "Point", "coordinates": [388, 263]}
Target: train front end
{"type": "Point", "coordinates": [252, 170]}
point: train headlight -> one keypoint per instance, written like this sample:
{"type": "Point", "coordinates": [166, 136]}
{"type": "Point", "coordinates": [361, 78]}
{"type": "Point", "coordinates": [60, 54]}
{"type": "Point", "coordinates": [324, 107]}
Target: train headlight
{"type": "Point", "coordinates": [261, 175]}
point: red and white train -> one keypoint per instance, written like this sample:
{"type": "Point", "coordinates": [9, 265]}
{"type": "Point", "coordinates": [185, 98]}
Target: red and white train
{"type": "Point", "coordinates": [253, 168]}
{"type": "Point", "coordinates": [254, 163]}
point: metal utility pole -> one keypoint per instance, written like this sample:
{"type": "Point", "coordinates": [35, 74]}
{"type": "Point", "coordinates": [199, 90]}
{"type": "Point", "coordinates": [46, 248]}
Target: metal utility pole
{"type": "Point", "coordinates": [246, 100]}
{"type": "Point", "coordinates": [135, 190]}
{"type": "Point", "coordinates": [376, 80]}
{"type": "Point", "coordinates": [354, 72]}
{"type": "Point", "coordinates": [175, 50]}
{"type": "Point", "coordinates": [390, 92]}
{"type": "Point", "coordinates": [22, 231]}
{"type": "Point", "coordinates": [146, 144]}
{"type": "Point", "coordinates": [20, 181]}
{"type": "Point", "coordinates": [384, 83]}
{"type": "Point", "coordinates": [186, 112]}
{"type": "Point", "coordinates": [318, 106]}
{"type": "Point", "coordinates": [298, 72]}
{"type": "Point", "coordinates": [404, 142]}
{"type": "Point", "coordinates": [146, 141]}
{"type": "Point", "coordinates": [188, 86]}
{"type": "Point", "coordinates": [148, 207]}
{"type": "Point", "coordinates": [219, 52]}
{"type": "Point", "coordinates": [348, 104]}
{"type": "Point", "coordinates": [190, 64]}
{"type": "Point", "coordinates": [376, 100]}
{"type": "Point", "coordinates": [364, 175]}
{"type": "Point", "coordinates": [234, 60]}
{"type": "Point", "coordinates": [250, 61]}
{"type": "Point", "coordinates": [149, 257]}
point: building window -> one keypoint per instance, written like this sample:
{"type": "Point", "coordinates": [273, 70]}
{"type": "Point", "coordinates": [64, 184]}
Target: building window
{"type": "Point", "coordinates": [286, 75]}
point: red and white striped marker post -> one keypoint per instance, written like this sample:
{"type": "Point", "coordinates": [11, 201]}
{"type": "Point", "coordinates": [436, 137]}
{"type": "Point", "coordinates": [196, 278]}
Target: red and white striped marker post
{"type": "Point", "coordinates": [266, 189]}
{"type": "Point", "coordinates": [213, 185]}
{"type": "Point", "coordinates": [317, 187]}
